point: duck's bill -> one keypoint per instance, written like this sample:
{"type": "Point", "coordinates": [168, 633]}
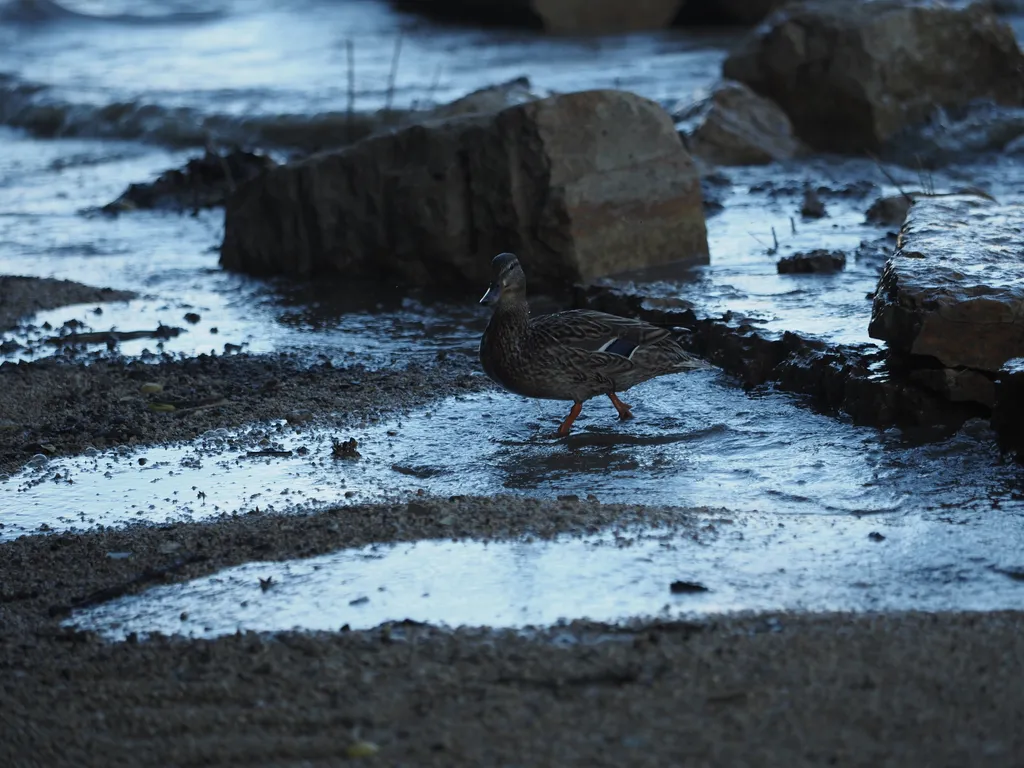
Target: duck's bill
{"type": "Point", "coordinates": [492, 295]}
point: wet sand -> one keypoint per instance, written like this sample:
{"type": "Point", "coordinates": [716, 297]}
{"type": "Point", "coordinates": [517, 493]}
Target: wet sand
{"type": "Point", "coordinates": [772, 690]}
{"type": "Point", "coordinates": [769, 690]}
{"type": "Point", "coordinates": [22, 296]}
{"type": "Point", "coordinates": [57, 408]}
{"type": "Point", "coordinates": [904, 689]}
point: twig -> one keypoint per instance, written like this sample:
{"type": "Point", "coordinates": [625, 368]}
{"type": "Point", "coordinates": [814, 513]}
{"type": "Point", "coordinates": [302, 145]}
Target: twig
{"type": "Point", "coordinates": [890, 177]}
{"type": "Point", "coordinates": [775, 240]}
{"type": "Point", "coordinates": [102, 337]}
{"type": "Point", "coordinates": [924, 177]}
{"type": "Point", "coordinates": [394, 73]}
{"type": "Point", "coordinates": [213, 403]}
{"type": "Point", "coordinates": [351, 54]}
{"type": "Point", "coordinates": [792, 225]}
{"type": "Point", "coordinates": [261, 454]}
{"type": "Point", "coordinates": [434, 85]}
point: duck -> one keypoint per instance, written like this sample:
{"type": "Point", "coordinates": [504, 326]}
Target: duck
{"type": "Point", "coordinates": [573, 355]}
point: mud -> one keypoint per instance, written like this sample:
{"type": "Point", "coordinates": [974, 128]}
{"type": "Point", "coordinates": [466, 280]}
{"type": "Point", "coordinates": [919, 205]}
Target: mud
{"type": "Point", "coordinates": [54, 408]}
{"type": "Point", "coordinates": [24, 296]}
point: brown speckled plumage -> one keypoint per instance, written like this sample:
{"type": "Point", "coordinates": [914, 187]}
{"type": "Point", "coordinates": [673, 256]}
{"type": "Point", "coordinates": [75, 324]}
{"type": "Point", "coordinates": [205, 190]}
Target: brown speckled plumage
{"type": "Point", "coordinates": [573, 355]}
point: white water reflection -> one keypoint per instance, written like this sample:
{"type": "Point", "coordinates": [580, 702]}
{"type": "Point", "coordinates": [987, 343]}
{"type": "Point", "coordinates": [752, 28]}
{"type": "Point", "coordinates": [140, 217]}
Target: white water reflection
{"type": "Point", "coordinates": [746, 562]}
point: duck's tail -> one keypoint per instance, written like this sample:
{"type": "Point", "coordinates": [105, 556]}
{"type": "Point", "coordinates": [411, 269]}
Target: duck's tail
{"type": "Point", "coordinates": [688, 362]}
{"type": "Point", "coordinates": [684, 360]}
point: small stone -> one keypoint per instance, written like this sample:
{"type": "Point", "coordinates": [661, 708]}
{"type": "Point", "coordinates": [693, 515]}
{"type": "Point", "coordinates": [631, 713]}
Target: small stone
{"type": "Point", "coordinates": [359, 601]}
{"type": "Point", "coordinates": [876, 536]}
{"type": "Point", "coordinates": [360, 749]}
{"type": "Point", "coordinates": [301, 416]}
{"type": "Point", "coordinates": [192, 317]}
{"type": "Point", "coordinates": [151, 387]}
{"type": "Point", "coordinates": [815, 261]}
{"type": "Point", "coordinates": [889, 211]}
{"type": "Point", "coordinates": [812, 206]}
{"type": "Point", "coordinates": [686, 587]}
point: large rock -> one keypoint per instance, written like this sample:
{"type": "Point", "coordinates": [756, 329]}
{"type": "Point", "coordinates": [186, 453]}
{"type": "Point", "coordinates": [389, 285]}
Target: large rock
{"type": "Point", "coordinates": [952, 293]}
{"type": "Point", "coordinates": [735, 126]}
{"type": "Point", "coordinates": [853, 75]}
{"type": "Point", "coordinates": [578, 185]}
{"type": "Point", "coordinates": [605, 16]}
{"type": "Point", "coordinates": [728, 11]}
{"type": "Point", "coordinates": [559, 16]}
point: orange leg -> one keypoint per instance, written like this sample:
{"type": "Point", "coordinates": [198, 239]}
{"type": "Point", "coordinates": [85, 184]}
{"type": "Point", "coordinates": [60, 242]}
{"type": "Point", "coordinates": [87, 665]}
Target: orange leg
{"type": "Point", "coordinates": [567, 424]}
{"type": "Point", "coordinates": [621, 407]}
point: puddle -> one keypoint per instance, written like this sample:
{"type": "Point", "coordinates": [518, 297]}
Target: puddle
{"type": "Point", "coordinates": [763, 562]}
{"type": "Point", "coordinates": [697, 440]}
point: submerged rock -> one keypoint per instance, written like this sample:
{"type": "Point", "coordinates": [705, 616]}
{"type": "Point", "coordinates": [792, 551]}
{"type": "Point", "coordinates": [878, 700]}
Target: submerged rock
{"type": "Point", "coordinates": [204, 182]}
{"type": "Point", "coordinates": [578, 185]}
{"type": "Point", "coordinates": [852, 75]}
{"type": "Point", "coordinates": [889, 211]}
{"type": "Point", "coordinates": [815, 261]}
{"type": "Point", "coordinates": [735, 126]}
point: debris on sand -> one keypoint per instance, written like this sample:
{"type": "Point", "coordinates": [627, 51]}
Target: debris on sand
{"type": "Point", "coordinates": [345, 449]}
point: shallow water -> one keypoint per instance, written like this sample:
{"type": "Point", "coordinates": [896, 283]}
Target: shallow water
{"type": "Point", "coordinates": [744, 562]}
{"type": "Point", "coordinates": [697, 440]}
{"type": "Point", "coordinates": [951, 509]}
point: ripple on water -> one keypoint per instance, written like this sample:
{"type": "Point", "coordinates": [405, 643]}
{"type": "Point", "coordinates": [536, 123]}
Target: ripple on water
{"type": "Point", "coordinates": [696, 441]}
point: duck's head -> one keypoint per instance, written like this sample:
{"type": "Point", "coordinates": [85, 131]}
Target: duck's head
{"type": "Point", "coordinates": [509, 281]}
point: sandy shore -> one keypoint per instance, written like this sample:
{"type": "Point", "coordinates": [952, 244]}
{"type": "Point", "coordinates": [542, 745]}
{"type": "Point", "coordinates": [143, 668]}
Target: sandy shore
{"type": "Point", "coordinates": [898, 689]}
{"type": "Point", "coordinates": [902, 689]}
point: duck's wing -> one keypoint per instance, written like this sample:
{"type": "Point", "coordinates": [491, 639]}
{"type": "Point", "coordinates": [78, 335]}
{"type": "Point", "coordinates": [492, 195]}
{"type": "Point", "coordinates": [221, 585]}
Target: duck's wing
{"type": "Point", "coordinates": [587, 331]}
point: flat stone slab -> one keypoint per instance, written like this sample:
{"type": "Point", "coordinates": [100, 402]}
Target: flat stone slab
{"type": "Point", "coordinates": [954, 289]}
{"type": "Point", "coordinates": [1008, 413]}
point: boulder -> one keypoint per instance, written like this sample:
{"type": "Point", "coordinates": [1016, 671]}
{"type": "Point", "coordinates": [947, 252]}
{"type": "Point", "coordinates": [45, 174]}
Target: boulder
{"type": "Point", "coordinates": [728, 11]}
{"type": "Point", "coordinates": [735, 126]}
{"type": "Point", "coordinates": [952, 292]}
{"type": "Point", "coordinates": [851, 76]}
{"type": "Point", "coordinates": [492, 98]}
{"type": "Point", "coordinates": [575, 17]}
{"type": "Point", "coordinates": [579, 185]}
{"type": "Point", "coordinates": [605, 16]}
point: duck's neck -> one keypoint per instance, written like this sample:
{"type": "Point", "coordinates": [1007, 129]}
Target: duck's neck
{"type": "Point", "coordinates": [511, 317]}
